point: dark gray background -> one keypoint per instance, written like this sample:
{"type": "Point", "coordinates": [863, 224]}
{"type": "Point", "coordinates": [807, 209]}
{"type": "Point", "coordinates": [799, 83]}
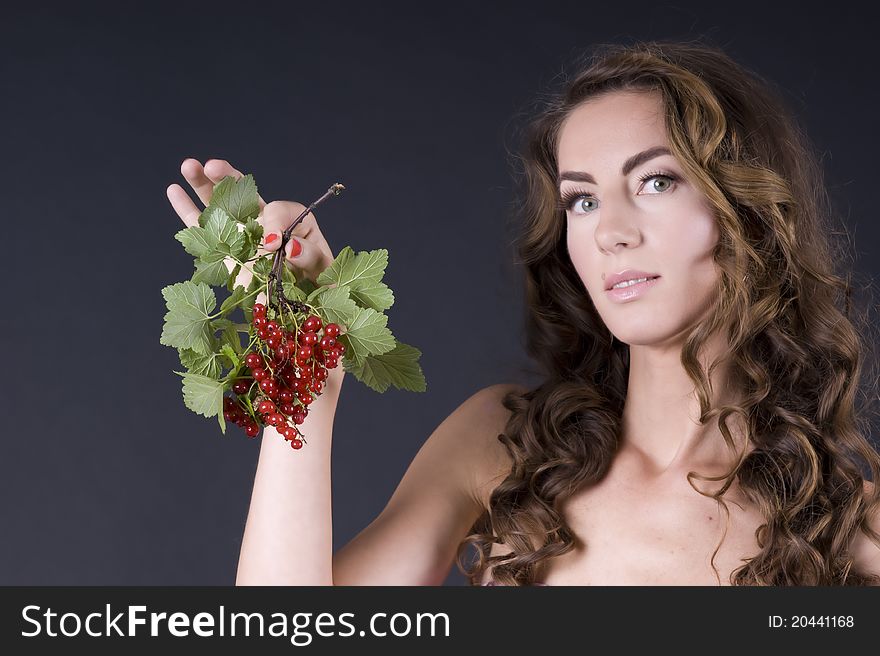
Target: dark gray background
{"type": "Point", "coordinates": [107, 478]}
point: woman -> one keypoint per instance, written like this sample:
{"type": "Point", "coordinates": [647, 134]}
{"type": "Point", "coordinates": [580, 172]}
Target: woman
{"type": "Point", "coordinates": [695, 428]}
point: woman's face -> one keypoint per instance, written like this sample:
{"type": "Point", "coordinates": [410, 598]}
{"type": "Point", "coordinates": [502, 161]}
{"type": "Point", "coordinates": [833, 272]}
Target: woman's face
{"type": "Point", "coordinates": [661, 226]}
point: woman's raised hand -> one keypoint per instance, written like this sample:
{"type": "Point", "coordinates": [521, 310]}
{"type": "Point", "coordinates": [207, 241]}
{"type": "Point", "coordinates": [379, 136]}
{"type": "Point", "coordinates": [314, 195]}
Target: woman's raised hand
{"type": "Point", "coordinates": [307, 253]}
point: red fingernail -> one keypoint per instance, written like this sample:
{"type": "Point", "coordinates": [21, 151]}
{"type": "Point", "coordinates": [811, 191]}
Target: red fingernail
{"type": "Point", "coordinates": [295, 247]}
{"type": "Point", "coordinates": [271, 237]}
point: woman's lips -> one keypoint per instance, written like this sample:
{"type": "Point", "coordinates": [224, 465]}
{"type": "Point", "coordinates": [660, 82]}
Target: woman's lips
{"type": "Point", "coordinates": [631, 292]}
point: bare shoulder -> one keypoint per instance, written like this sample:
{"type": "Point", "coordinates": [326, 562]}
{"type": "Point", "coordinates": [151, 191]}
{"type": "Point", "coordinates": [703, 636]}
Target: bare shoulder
{"type": "Point", "coordinates": [491, 461]}
{"type": "Point", "coordinates": [866, 554]}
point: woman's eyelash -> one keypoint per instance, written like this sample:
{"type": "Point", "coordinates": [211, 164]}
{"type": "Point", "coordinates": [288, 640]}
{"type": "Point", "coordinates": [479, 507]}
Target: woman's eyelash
{"type": "Point", "coordinates": [568, 197]}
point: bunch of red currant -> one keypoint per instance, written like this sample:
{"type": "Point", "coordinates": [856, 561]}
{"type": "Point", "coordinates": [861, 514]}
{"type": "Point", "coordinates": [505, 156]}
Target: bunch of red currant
{"type": "Point", "coordinates": [286, 368]}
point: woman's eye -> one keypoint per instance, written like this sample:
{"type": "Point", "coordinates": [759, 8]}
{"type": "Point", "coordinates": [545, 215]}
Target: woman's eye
{"type": "Point", "coordinates": [576, 200]}
{"type": "Point", "coordinates": [667, 180]}
{"type": "Point", "coordinates": [579, 201]}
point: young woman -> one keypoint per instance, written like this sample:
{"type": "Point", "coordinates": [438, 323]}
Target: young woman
{"type": "Point", "coordinates": [696, 423]}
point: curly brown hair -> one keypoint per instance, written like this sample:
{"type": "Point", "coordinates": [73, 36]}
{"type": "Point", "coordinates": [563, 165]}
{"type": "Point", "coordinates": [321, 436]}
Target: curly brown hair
{"type": "Point", "coordinates": [797, 345]}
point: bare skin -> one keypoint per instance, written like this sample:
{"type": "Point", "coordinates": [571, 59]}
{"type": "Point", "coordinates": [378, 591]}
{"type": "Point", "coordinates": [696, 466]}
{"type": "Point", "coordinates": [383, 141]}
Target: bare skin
{"type": "Point", "coordinates": [643, 523]}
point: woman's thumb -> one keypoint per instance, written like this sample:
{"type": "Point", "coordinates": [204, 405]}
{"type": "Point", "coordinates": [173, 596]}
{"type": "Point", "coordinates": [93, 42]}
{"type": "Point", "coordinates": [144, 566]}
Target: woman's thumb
{"type": "Point", "coordinates": [303, 255]}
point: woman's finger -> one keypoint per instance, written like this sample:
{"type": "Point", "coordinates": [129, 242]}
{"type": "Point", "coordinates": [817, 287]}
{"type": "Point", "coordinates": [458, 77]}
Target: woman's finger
{"type": "Point", "coordinates": [195, 175]}
{"type": "Point", "coordinates": [183, 205]}
{"type": "Point", "coordinates": [304, 257]}
{"type": "Point", "coordinates": [277, 217]}
{"type": "Point", "coordinates": [217, 169]}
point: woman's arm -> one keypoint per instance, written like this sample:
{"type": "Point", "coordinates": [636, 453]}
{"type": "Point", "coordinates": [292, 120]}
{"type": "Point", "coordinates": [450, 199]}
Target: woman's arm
{"type": "Point", "coordinates": [288, 537]}
{"type": "Point", "coordinates": [414, 540]}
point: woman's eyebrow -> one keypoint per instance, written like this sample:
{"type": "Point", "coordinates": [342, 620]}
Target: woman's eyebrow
{"type": "Point", "coordinates": [631, 163]}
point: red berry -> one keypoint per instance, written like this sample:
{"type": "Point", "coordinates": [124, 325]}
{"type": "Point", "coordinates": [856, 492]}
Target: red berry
{"type": "Point", "coordinates": [320, 373]}
{"type": "Point", "coordinates": [340, 347]}
{"type": "Point", "coordinates": [303, 353]}
{"type": "Point", "coordinates": [259, 374]}
{"type": "Point", "coordinates": [305, 397]}
{"type": "Point", "coordinates": [241, 386]}
{"type": "Point", "coordinates": [266, 406]}
{"type": "Point", "coordinates": [276, 419]}
{"type": "Point", "coordinates": [251, 429]}
{"type": "Point", "coordinates": [259, 322]}
{"type": "Point", "coordinates": [286, 395]}
{"type": "Point", "coordinates": [273, 340]}
{"type": "Point", "coordinates": [296, 443]}
{"type": "Point", "coordinates": [316, 386]}
{"type": "Point", "coordinates": [327, 343]}
{"type": "Point", "coordinates": [273, 327]}
{"type": "Point", "coordinates": [262, 333]}
{"type": "Point", "coordinates": [308, 338]}
{"type": "Point", "coordinates": [331, 330]}
{"type": "Point", "coordinates": [282, 352]}
{"type": "Point", "coordinates": [253, 360]}
{"type": "Point", "coordinates": [288, 408]}
{"type": "Point", "coordinates": [268, 385]}
{"type": "Point", "coordinates": [259, 310]}
{"type": "Point", "coordinates": [312, 323]}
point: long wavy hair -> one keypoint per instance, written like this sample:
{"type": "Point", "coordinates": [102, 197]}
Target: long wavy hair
{"type": "Point", "coordinates": [797, 346]}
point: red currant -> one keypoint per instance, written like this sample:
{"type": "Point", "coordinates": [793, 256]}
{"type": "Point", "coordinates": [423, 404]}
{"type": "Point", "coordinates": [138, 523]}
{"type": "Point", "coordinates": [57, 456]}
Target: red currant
{"type": "Point", "coordinates": [259, 310]}
{"type": "Point", "coordinates": [296, 443]}
{"type": "Point", "coordinates": [327, 343]}
{"type": "Point", "coordinates": [331, 330]}
{"type": "Point", "coordinates": [241, 386]}
{"type": "Point", "coordinates": [312, 323]}
{"type": "Point", "coordinates": [308, 338]}
{"type": "Point", "coordinates": [253, 360]}
{"type": "Point", "coordinates": [304, 353]}
{"type": "Point", "coordinates": [251, 429]}
{"type": "Point", "coordinates": [259, 322]}
{"type": "Point", "coordinates": [273, 327]}
{"type": "Point", "coordinates": [259, 374]}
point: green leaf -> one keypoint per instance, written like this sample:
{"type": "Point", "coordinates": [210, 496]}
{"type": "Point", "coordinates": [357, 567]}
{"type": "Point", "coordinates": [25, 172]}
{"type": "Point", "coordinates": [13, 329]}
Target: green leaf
{"type": "Point", "coordinates": [223, 231]}
{"type": "Point", "coordinates": [362, 273]}
{"type": "Point", "coordinates": [253, 232]}
{"type": "Point", "coordinates": [202, 395]}
{"type": "Point", "coordinates": [233, 275]}
{"type": "Point", "coordinates": [293, 292]}
{"type": "Point", "coordinates": [232, 300]}
{"type": "Point", "coordinates": [398, 367]}
{"type": "Point", "coordinates": [238, 198]}
{"type": "Point", "coordinates": [211, 269]}
{"type": "Point", "coordinates": [307, 286]}
{"type": "Point", "coordinates": [195, 240]}
{"type": "Point", "coordinates": [335, 305]}
{"type": "Point", "coordinates": [196, 363]}
{"type": "Point", "coordinates": [263, 265]}
{"type": "Point", "coordinates": [368, 335]}
{"type": "Point", "coordinates": [187, 322]}
{"type": "Point", "coordinates": [230, 353]}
